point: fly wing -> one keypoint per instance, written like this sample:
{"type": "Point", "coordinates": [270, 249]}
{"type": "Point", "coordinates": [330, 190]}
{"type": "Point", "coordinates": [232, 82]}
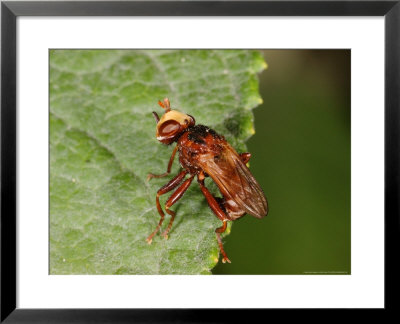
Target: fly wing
{"type": "Point", "coordinates": [235, 181]}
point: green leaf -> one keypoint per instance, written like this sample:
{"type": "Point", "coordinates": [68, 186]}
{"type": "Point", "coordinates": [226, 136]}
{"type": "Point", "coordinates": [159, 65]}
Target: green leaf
{"type": "Point", "coordinates": [103, 145]}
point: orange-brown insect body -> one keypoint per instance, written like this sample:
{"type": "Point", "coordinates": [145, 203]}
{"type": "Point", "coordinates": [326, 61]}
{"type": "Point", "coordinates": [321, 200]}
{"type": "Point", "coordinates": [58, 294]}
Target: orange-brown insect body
{"type": "Point", "coordinates": [202, 153]}
{"type": "Point", "coordinates": [196, 143]}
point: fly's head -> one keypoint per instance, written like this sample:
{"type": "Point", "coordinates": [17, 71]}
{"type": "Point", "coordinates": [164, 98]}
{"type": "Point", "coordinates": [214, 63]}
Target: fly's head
{"type": "Point", "coordinates": [172, 123]}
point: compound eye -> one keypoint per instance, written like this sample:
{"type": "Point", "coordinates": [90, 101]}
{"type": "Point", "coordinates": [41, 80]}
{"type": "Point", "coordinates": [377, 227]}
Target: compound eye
{"type": "Point", "coordinates": [169, 127]}
{"type": "Point", "coordinates": [193, 121]}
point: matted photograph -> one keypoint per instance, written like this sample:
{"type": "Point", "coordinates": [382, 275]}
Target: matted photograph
{"type": "Point", "coordinates": [163, 160]}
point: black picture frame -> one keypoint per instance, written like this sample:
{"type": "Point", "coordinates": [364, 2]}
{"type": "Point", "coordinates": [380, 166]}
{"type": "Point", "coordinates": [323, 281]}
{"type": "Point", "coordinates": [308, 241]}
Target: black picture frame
{"type": "Point", "coordinates": [9, 13]}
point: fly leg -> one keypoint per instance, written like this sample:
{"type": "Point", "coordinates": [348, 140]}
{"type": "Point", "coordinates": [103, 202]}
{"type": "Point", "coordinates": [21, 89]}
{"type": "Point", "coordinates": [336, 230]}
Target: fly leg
{"type": "Point", "coordinates": [245, 157]}
{"type": "Point", "coordinates": [217, 210]}
{"type": "Point", "coordinates": [163, 190]}
{"type": "Point", "coordinates": [151, 175]}
{"type": "Point", "coordinates": [172, 200]}
{"type": "Point", "coordinates": [218, 231]}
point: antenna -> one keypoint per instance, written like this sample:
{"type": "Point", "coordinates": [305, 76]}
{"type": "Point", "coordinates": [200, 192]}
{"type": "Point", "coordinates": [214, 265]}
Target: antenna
{"type": "Point", "coordinates": [166, 104]}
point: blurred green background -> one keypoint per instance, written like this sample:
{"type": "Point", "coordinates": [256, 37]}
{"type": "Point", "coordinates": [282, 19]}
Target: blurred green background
{"type": "Point", "coordinates": [301, 158]}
